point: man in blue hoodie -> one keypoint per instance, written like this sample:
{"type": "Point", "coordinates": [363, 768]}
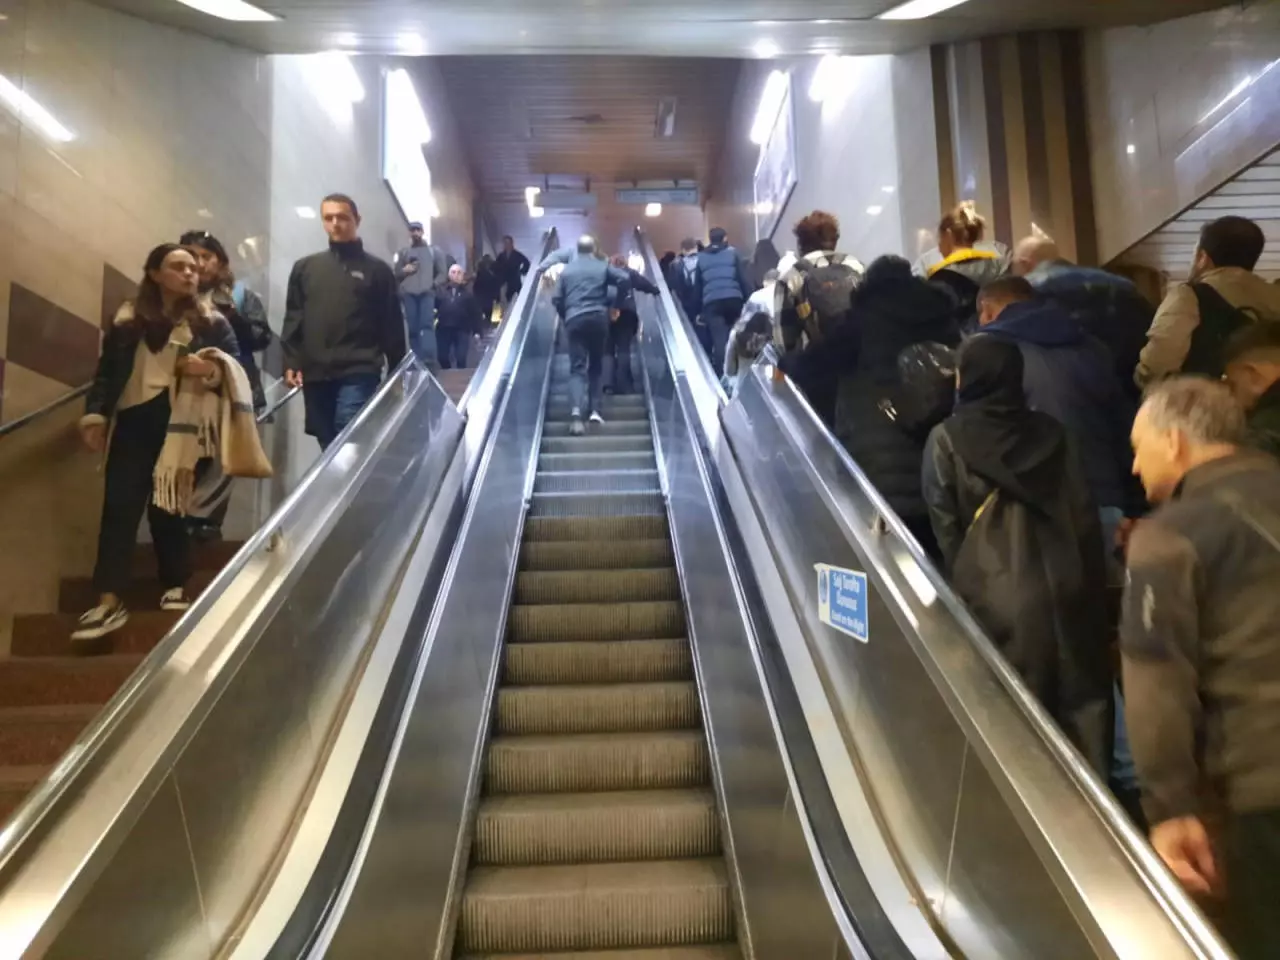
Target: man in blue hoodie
{"type": "Point", "coordinates": [722, 288]}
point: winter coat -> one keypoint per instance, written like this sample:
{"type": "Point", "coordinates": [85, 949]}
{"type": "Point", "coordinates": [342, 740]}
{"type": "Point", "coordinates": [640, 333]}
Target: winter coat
{"type": "Point", "coordinates": [1035, 581]}
{"type": "Point", "coordinates": [790, 294]}
{"type": "Point", "coordinates": [1068, 375]}
{"type": "Point", "coordinates": [625, 300]}
{"type": "Point", "coordinates": [683, 280]}
{"type": "Point", "coordinates": [342, 314]}
{"type": "Point", "coordinates": [1264, 422]}
{"type": "Point", "coordinates": [120, 349]}
{"type": "Point", "coordinates": [510, 269]}
{"type": "Point", "coordinates": [458, 309]}
{"type": "Point", "coordinates": [964, 273]}
{"type": "Point", "coordinates": [248, 318]}
{"type": "Point", "coordinates": [720, 276]}
{"type": "Point", "coordinates": [1107, 306]}
{"type": "Point", "coordinates": [583, 287]}
{"type": "Point", "coordinates": [890, 316]}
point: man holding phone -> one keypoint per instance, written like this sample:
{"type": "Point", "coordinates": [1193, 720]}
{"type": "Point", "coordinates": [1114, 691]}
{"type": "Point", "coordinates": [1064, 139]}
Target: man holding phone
{"type": "Point", "coordinates": [420, 269]}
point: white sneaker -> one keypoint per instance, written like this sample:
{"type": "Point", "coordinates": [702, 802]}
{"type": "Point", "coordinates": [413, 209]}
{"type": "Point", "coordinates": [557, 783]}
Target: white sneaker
{"type": "Point", "coordinates": [595, 417]}
{"type": "Point", "coordinates": [100, 621]}
{"type": "Point", "coordinates": [175, 599]}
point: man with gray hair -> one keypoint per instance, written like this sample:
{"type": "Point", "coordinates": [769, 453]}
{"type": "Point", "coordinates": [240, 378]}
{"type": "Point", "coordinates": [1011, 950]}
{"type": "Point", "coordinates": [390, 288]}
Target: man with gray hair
{"type": "Point", "coordinates": [1200, 639]}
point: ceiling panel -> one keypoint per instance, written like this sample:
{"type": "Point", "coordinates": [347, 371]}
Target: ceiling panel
{"type": "Point", "coordinates": [1254, 193]}
{"type": "Point", "coordinates": [703, 28]}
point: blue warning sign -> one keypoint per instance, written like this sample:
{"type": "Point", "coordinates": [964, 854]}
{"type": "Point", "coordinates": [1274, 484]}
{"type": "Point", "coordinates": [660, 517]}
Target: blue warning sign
{"type": "Point", "coordinates": [842, 600]}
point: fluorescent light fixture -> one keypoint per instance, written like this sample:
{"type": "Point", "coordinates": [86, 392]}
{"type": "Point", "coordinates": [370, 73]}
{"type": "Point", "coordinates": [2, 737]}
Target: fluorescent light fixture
{"type": "Point", "coordinates": [875, 210]}
{"type": "Point", "coordinates": [919, 9]}
{"type": "Point", "coordinates": [404, 109]}
{"type": "Point", "coordinates": [531, 195]}
{"type": "Point", "coordinates": [411, 43]}
{"type": "Point", "coordinates": [653, 210]}
{"type": "Point", "coordinates": [536, 212]}
{"type": "Point", "coordinates": [231, 10]}
{"type": "Point", "coordinates": [1131, 149]}
{"type": "Point", "coordinates": [766, 49]}
{"type": "Point", "coordinates": [32, 113]}
{"type": "Point", "coordinates": [306, 213]}
{"type": "Point", "coordinates": [775, 91]}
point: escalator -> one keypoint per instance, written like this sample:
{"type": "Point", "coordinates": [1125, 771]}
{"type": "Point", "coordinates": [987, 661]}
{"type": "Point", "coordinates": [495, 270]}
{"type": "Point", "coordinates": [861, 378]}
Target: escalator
{"type": "Point", "coordinates": [598, 826]}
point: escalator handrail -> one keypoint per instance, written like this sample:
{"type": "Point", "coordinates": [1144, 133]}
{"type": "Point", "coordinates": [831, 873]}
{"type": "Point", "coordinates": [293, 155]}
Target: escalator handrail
{"type": "Point", "coordinates": [1170, 895]}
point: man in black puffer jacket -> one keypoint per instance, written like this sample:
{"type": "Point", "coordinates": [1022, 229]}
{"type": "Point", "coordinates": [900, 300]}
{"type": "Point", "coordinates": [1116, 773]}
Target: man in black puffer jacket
{"type": "Point", "coordinates": [892, 310]}
{"type": "Point", "coordinates": [722, 289]}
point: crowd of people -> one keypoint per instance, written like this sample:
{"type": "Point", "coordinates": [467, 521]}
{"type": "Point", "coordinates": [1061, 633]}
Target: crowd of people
{"type": "Point", "coordinates": [1097, 478]}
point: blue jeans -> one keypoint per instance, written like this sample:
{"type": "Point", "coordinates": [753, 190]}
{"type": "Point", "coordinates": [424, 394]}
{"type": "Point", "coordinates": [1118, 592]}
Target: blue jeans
{"type": "Point", "coordinates": [332, 404]}
{"type": "Point", "coordinates": [420, 321]}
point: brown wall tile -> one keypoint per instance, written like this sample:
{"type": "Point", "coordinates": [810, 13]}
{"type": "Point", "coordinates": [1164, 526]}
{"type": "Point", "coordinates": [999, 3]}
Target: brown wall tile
{"type": "Point", "coordinates": [49, 340]}
{"type": "Point", "coordinates": [116, 289]}
{"type": "Point", "coordinates": [1, 389]}
{"type": "Point", "coordinates": [993, 94]}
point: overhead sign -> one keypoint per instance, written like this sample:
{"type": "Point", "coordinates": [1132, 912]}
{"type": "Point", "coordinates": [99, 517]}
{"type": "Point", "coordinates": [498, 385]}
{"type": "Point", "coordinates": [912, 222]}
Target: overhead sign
{"type": "Point", "coordinates": [672, 196]}
{"type": "Point", "coordinates": [842, 600]}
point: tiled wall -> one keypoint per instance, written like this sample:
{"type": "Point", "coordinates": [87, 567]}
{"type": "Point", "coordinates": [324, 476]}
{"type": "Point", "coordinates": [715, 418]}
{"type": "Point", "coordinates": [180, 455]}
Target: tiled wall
{"type": "Point", "coordinates": [1175, 109]}
{"type": "Point", "coordinates": [171, 132]}
{"type": "Point", "coordinates": [869, 146]}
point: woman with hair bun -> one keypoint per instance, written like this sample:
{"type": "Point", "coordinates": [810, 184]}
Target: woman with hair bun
{"type": "Point", "coordinates": [967, 262]}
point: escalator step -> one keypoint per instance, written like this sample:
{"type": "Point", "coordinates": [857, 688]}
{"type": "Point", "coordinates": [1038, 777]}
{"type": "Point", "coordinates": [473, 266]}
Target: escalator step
{"type": "Point", "coordinates": [596, 827]}
{"type": "Point", "coordinates": [598, 481]}
{"type": "Point", "coordinates": [566, 462]}
{"type": "Point", "coordinates": [619, 661]}
{"type": "Point", "coordinates": [640, 443]}
{"type": "Point", "coordinates": [610, 411]}
{"type": "Point", "coordinates": [610, 428]}
{"type": "Point", "coordinates": [596, 708]}
{"type": "Point", "coordinates": [663, 902]}
{"type": "Point", "coordinates": [597, 761]}
{"type": "Point", "coordinates": [596, 554]}
{"type": "Point", "coordinates": [532, 623]}
{"type": "Point", "coordinates": [595, 504]}
{"type": "Point", "coordinates": [645, 526]}
{"type": "Point", "coordinates": [723, 951]}
{"type": "Point", "coordinates": [558, 397]}
{"type": "Point", "coordinates": [597, 586]}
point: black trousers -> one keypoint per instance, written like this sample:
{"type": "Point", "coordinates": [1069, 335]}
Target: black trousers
{"type": "Point", "coordinates": [622, 333]}
{"type": "Point", "coordinates": [720, 316]}
{"type": "Point", "coordinates": [1251, 855]}
{"type": "Point", "coordinates": [587, 337]}
{"type": "Point", "coordinates": [131, 461]}
{"type": "Point", "coordinates": [452, 346]}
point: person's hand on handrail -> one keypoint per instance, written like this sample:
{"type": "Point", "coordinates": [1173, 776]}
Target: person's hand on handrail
{"type": "Point", "coordinates": [293, 378]}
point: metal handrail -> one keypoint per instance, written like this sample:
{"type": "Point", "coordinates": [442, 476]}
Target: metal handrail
{"type": "Point", "coordinates": [29, 418]}
{"type": "Point", "coordinates": [271, 409]}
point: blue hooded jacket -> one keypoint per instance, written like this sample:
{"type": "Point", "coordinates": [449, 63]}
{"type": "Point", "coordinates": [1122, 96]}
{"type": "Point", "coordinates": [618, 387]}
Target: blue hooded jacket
{"type": "Point", "coordinates": [1068, 375]}
{"type": "Point", "coordinates": [721, 275]}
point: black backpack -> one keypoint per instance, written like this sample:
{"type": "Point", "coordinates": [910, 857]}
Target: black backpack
{"type": "Point", "coordinates": [1218, 321]}
{"type": "Point", "coordinates": [965, 290]}
{"type": "Point", "coordinates": [925, 393]}
{"type": "Point", "coordinates": [826, 294]}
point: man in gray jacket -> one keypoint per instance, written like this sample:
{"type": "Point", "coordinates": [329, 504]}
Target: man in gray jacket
{"type": "Point", "coordinates": [1200, 639]}
{"type": "Point", "coordinates": [583, 299]}
{"type": "Point", "coordinates": [421, 269]}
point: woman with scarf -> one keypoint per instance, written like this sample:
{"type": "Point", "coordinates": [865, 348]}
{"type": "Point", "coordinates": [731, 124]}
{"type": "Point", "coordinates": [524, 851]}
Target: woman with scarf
{"type": "Point", "coordinates": [1022, 542]}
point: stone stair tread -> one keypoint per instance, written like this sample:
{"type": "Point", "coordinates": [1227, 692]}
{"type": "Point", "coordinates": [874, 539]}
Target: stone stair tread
{"type": "Point", "coordinates": [78, 594]}
{"type": "Point", "coordinates": [49, 713]}
{"type": "Point", "coordinates": [50, 681]}
{"type": "Point", "coordinates": [49, 634]}
{"type": "Point", "coordinates": [28, 776]}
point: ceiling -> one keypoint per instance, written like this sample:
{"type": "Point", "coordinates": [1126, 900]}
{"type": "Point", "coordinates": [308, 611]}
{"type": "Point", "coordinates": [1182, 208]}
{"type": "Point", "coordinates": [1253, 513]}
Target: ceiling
{"type": "Point", "coordinates": [1253, 193]}
{"type": "Point", "coordinates": [701, 28]}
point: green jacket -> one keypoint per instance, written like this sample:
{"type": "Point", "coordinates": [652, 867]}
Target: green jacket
{"type": "Point", "coordinates": [1264, 422]}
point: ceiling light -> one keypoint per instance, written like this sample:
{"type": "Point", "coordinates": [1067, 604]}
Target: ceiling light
{"type": "Point", "coordinates": [536, 212]}
{"type": "Point", "coordinates": [306, 213]}
{"type": "Point", "coordinates": [775, 91]}
{"type": "Point", "coordinates": [404, 109]}
{"type": "Point", "coordinates": [32, 113]}
{"type": "Point", "coordinates": [766, 49]}
{"type": "Point", "coordinates": [231, 10]}
{"type": "Point", "coordinates": [1131, 149]}
{"type": "Point", "coordinates": [919, 9]}
{"type": "Point", "coordinates": [531, 195]}
{"type": "Point", "coordinates": [875, 210]}
{"type": "Point", "coordinates": [411, 43]}
{"type": "Point", "coordinates": [653, 210]}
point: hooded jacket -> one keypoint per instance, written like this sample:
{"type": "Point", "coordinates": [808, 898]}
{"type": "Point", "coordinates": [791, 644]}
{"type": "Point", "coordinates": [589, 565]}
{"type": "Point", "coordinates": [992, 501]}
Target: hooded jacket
{"type": "Point", "coordinates": [889, 316]}
{"type": "Point", "coordinates": [720, 276]}
{"type": "Point", "coordinates": [342, 314]}
{"type": "Point", "coordinates": [1068, 375]}
{"type": "Point", "coordinates": [964, 273]}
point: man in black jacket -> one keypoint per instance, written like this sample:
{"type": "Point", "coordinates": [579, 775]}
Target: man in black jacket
{"type": "Point", "coordinates": [721, 290]}
{"type": "Point", "coordinates": [510, 266]}
{"type": "Point", "coordinates": [458, 319]}
{"type": "Point", "coordinates": [342, 323]}
{"type": "Point", "coordinates": [625, 326]}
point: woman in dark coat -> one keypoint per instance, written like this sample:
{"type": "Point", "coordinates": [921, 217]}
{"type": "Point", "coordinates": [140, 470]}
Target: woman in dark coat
{"type": "Point", "coordinates": [1022, 542]}
{"type": "Point", "coordinates": [892, 310]}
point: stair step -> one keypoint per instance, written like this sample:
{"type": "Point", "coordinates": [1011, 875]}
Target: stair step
{"type": "Point", "coordinates": [596, 504]}
{"type": "Point", "coordinates": [49, 634]}
{"type": "Point", "coordinates": [38, 736]}
{"type": "Point", "coordinates": [596, 762]}
{"type": "Point", "coordinates": [78, 594]}
{"type": "Point", "coordinates": [596, 708]}
{"type": "Point", "coordinates": [610, 428]}
{"type": "Point", "coordinates": [662, 903]}
{"type": "Point", "coordinates": [597, 481]}
{"type": "Point", "coordinates": [611, 412]}
{"type": "Point", "coordinates": [619, 661]}
{"type": "Point", "coordinates": [210, 555]}
{"type": "Point", "coordinates": [525, 830]}
{"type": "Point", "coordinates": [658, 620]}
{"type": "Point", "coordinates": [15, 784]}
{"type": "Point", "coordinates": [596, 586]}
{"type": "Point", "coordinates": [52, 681]}
{"type": "Point", "coordinates": [558, 398]}
{"type": "Point", "coordinates": [596, 443]}
{"type": "Point", "coordinates": [568, 462]}
{"type": "Point", "coordinates": [642, 526]}
{"type": "Point", "coordinates": [595, 555]}
{"type": "Point", "coordinates": [722, 951]}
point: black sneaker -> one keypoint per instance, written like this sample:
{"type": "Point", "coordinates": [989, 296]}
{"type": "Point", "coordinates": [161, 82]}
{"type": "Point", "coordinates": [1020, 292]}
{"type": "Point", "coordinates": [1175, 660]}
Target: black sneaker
{"type": "Point", "coordinates": [100, 621]}
{"type": "Point", "coordinates": [175, 599]}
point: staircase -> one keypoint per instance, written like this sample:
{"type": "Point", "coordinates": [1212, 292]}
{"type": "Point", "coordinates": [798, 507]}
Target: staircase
{"type": "Point", "coordinates": [597, 836]}
{"type": "Point", "coordinates": [49, 693]}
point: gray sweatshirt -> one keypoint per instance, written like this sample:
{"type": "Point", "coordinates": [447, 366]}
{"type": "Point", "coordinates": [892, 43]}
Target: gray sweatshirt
{"type": "Point", "coordinates": [432, 268]}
